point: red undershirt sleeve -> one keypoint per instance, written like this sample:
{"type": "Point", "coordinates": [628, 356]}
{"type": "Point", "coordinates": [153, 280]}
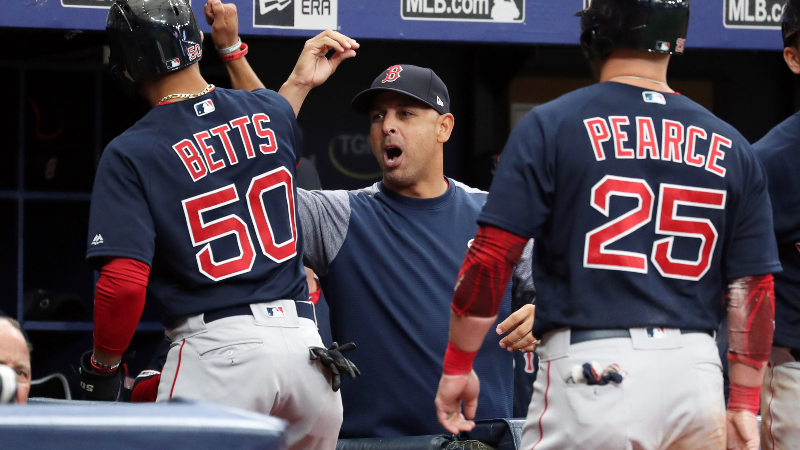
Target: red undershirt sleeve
{"type": "Point", "coordinates": [751, 325]}
{"type": "Point", "coordinates": [751, 320]}
{"type": "Point", "coordinates": [486, 272]}
{"type": "Point", "coordinates": [118, 304]}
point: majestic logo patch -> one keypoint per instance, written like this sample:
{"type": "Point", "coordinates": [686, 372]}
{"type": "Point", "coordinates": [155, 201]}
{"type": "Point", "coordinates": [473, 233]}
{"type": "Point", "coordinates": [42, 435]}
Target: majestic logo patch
{"type": "Point", "coordinates": [392, 74]}
{"type": "Point", "coordinates": [98, 239]}
{"type": "Point", "coordinates": [656, 333]}
{"type": "Point", "coordinates": [654, 97]}
{"type": "Point", "coordinates": [276, 311]}
{"type": "Point", "coordinates": [204, 107]}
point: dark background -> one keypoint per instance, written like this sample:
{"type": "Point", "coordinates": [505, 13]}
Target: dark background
{"type": "Point", "coordinates": [60, 109]}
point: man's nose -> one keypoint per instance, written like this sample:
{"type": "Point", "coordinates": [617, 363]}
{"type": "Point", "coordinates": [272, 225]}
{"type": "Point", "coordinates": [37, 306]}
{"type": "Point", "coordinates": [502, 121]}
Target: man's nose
{"type": "Point", "coordinates": [389, 126]}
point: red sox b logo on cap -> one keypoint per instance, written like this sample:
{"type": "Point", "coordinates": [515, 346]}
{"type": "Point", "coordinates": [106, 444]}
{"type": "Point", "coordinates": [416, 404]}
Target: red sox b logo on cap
{"type": "Point", "coordinates": [392, 74]}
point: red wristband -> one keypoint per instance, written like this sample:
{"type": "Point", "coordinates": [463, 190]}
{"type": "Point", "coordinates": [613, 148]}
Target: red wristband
{"type": "Point", "coordinates": [744, 398]}
{"type": "Point", "coordinates": [457, 362]}
{"type": "Point", "coordinates": [235, 55]}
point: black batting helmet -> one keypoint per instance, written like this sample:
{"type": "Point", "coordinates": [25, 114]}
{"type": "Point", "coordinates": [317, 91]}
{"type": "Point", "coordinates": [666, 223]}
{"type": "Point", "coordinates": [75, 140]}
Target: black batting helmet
{"type": "Point", "coordinates": [790, 23]}
{"type": "Point", "coordinates": [652, 25]}
{"type": "Point", "coordinates": [151, 37]}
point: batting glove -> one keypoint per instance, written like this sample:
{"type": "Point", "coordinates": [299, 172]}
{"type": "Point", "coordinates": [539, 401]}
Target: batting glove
{"type": "Point", "coordinates": [98, 386]}
{"type": "Point", "coordinates": [332, 357]}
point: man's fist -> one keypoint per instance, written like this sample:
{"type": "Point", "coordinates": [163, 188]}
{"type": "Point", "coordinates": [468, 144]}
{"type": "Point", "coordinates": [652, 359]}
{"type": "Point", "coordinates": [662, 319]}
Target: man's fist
{"type": "Point", "coordinates": [224, 21]}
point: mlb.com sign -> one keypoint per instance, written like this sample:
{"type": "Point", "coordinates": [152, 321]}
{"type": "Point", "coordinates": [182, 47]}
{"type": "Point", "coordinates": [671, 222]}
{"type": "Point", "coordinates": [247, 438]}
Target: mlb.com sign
{"type": "Point", "coordinates": [464, 10]}
{"type": "Point", "coordinates": [299, 14]}
{"type": "Point", "coordinates": [753, 14]}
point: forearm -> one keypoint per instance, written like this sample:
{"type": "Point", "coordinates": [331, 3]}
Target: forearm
{"type": "Point", "coordinates": [479, 291]}
{"type": "Point", "coordinates": [119, 301]}
{"type": "Point", "coordinates": [295, 93]}
{"type": "Point", "coordinates": [467, 332]}
{"type": "Point", "coordinates": [751, 325]}
{"type": "Point", "coordinates": [242, 75]}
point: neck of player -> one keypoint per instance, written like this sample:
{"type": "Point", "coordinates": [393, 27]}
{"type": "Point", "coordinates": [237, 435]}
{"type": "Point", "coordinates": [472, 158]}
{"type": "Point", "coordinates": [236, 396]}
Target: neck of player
{"type": "Point", "coordinates": [637, 68]}
{"type": "Point", "coordinates": [184, 81]}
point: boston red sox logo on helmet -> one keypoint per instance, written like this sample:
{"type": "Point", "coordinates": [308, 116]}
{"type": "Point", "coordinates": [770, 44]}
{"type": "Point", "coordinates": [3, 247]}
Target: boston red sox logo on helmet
{"type": "Point", "coordinates": [392, 74]}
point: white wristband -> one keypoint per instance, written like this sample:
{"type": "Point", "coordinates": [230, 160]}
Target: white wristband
{"type": "Point", "coordinates": [231, 49]}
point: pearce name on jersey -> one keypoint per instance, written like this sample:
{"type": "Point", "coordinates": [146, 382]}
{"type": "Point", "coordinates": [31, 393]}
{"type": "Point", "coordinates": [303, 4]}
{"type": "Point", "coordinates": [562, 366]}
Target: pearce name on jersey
{"type": "Point", "coordinates": [211, 181]}
{"type": "Point", "coordinates": [677, 143]}
{"type": "Point", "coordinates": [642, 204]}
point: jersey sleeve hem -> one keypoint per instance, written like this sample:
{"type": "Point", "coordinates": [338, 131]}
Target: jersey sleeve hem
{"type": "Point", "coordinates": [756, 270]}
{"type": "Point", "coordinates": [489, 219]}
{"type": "Point", "coordinates": [94, 257]}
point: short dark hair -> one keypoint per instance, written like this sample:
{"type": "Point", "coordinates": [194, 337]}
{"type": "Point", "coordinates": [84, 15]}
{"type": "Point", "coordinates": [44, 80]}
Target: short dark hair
{"type": "Point", "coordinates": [16, 325]}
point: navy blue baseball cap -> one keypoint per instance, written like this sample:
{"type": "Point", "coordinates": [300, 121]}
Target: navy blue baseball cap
{"type": "Point", "coordinates": [417, 82]}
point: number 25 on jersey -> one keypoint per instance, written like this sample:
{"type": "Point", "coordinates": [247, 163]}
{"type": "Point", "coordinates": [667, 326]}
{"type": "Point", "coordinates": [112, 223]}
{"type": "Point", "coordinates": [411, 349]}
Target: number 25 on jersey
{"type": "Point", "coordinates": [596, 255]}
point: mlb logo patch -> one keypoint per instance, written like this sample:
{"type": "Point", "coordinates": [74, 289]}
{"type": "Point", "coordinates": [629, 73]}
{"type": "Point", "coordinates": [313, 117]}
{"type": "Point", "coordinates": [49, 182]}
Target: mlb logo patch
{"type": "Point", "coordinates": [204, 107]}
{"type": "Point", "coordinates": [654, 97]}
{"type": "Point", "coordinates": [662, 46]}
{"type": "Point", "coordinates": [172, 63]}
{"type": "Point", "coordinates": [276, 311]}
{"type": "Point", "coordinates": [656, 333]}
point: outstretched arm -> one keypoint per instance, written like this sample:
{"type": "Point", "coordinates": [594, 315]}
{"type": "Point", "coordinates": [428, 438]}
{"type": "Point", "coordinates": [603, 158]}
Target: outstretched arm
{"type": "Point", "coordinates": [224, 21]}
{"type": "Point", "coordinates": [751, 325]}
{"type": "Point", "coordinates": [479, 292]}
{"type": "Point", "coordinates": [312, 69]}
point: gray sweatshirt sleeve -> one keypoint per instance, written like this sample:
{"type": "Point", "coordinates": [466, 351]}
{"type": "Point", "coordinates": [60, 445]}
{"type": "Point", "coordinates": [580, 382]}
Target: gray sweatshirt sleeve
{"type": "Point", "coordinates": [324, 216]}
{"type": "Point", "coordinates": [522, 289]}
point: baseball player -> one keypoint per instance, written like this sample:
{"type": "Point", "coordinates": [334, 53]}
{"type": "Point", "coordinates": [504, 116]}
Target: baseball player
{"type": "Point", "coordinates": [780, 394]}
{"type": "Point", "coordinates": [643, 206]}
{"type": "Point", "coordinates": [387, 256]}
{"type": "Point", "coordinates": [196, 204]}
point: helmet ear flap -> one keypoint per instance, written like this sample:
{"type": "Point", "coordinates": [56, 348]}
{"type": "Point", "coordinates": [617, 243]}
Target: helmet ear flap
{"type": "Point", "coordinates": [595, 47]}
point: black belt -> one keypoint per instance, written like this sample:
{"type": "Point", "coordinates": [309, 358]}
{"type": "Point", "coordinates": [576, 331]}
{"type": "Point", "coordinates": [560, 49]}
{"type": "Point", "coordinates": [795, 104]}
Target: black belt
{"type": "Point", "coordinates": [578, 336]}
{"type": "Point", "coordinates": [796, 353]}
{"type": "Point", "coordinates": [304, 310]}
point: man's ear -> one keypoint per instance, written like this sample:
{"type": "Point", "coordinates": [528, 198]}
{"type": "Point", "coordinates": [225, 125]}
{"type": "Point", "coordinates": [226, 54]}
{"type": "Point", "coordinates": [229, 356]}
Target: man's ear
{"type": "Point", "coordinates": [792, 57]}
{"type": "Point", "coordinates": [444, 127]}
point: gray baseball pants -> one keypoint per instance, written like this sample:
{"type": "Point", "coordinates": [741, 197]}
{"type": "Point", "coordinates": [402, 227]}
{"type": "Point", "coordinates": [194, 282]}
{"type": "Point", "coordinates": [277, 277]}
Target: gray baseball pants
{"type": "Point", "coordinates": [670, 398]}
{"type": "Point", "coordinates": [258, 363]}
{"type": "Point", "coordinates": [780, 402]}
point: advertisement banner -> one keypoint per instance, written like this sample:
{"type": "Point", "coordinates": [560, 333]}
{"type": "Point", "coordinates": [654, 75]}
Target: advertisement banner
{"type": "Point", "coordinates": [105, 4]}
{"type": "Point", "coordinates": [464, 10]}
{"type": "Point", "coordinates": [759, 14]}
{"type": "Point", "coordinates": [297, 14]}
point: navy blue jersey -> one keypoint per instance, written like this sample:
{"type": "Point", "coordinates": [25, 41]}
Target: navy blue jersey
{"type": "Point", "coordinates": [779, 152]}
{"type": "Point", "coordinates": [388, 265]}
{"type": "Point", "coordinates": [202, 191]}
{"type": "Point", "coordinates": [642, 205]}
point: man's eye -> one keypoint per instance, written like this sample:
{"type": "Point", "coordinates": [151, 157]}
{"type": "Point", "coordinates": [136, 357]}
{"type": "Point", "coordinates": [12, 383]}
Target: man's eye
{"type": "Point", "coordinates": [22, 374]}
{"type": "Point", "coordinates": [407, 113]}
{"type": "Point", "coordinates": [377, 117]}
